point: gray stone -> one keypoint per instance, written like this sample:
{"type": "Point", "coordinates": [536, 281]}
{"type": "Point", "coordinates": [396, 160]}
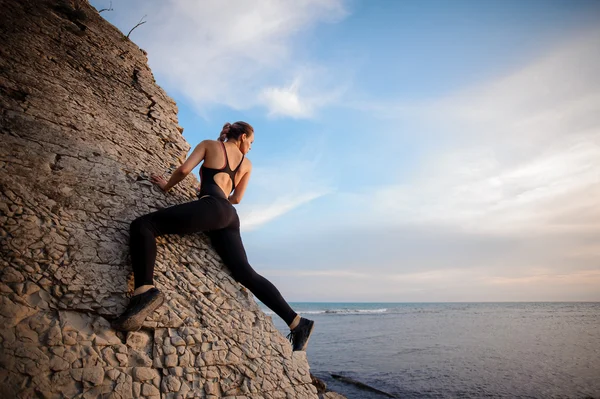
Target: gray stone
{"type": "Point", "coordinates": [171, 384]}
{"type": "Point", "coordinates": [177, 341]}
{"type": "Point", "coordinates": [332, 395]}
{"type": "Point", "coordinates": [94, 375]}
{"type": "Point", "coordinates": [171, 360]}
{"type": "Point", "coordinates": [12, 313]}
{"type": "Point", "coordinates": [211, 388]}
{"type": "Point", "coordinates": [26, 335]}
{"type": "Point", "coordinates": [54, 336]}
{"type": "Point", "coordinates": [112, 374]}
{"type": "Point", "coordinates": [169, 350]}
{"type": "Point", "coordinates": [150, 390]}
{"type": "Point", "coordinates": [11, 275]}
{"type": "Point", "coordinates": [122, 358]}
{"type": "Point", "coordinates": [143, 374]}
{"type": "Point", "coordinates": [57, 363]}
{"type": "Point", "coordinates": [137, 389]}
{"type": "Point", "coordinates": [137, 340]}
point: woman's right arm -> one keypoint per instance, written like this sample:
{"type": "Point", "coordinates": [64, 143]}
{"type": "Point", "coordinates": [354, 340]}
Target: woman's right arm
{"type": "Point", "coordinates": [181, 172]}
{"type": "Point", "coordinates": [240, 189]}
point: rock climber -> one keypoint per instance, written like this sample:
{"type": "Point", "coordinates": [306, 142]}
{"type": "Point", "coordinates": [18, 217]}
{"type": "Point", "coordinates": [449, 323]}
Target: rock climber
{"type": "Point", "coordinates": [221, 186]}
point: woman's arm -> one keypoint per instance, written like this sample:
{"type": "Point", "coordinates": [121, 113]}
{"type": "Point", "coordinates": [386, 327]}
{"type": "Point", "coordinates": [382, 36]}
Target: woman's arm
{"type": "Point", "coordinates": [181, 172]}
{"type": "Point", "coordinates": [240, 189]}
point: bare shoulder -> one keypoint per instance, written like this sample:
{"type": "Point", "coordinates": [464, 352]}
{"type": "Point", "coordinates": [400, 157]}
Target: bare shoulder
{"type": "Point", "coordinates": [245, 167]}
{"type": "Point", "coordinates": [208, 142]}
{"type": "Point", "coordinates": [210, 145]}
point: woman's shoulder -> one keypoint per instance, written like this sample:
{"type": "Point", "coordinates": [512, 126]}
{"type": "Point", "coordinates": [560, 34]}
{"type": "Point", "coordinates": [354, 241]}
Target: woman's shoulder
{"type": "Point", "coordinates": [247, 164]}
{"type": "Point", "coordinates": [210, 142]}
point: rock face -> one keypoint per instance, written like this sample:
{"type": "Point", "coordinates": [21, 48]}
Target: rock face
{"type": "Point", "coordinates": [82, 124]}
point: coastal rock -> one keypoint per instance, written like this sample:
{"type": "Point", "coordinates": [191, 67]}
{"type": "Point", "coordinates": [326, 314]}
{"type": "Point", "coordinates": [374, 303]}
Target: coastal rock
{"type": "Point", "coordinates": [319, 384]}
{"type": "Point", "coordinates": [331, 395]}
{"type": "Point", "coordinates": [82, 125]}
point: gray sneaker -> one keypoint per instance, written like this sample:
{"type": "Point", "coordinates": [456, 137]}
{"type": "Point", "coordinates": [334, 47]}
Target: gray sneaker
{"type": "Point", "coordinates": [140, 306]}
{"type": "Point", "coordinates": [300, 335]}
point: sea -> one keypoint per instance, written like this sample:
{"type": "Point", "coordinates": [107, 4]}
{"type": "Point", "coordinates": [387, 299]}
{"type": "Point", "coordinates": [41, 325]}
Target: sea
{"type": "Point", "coordinates": [454, 350]}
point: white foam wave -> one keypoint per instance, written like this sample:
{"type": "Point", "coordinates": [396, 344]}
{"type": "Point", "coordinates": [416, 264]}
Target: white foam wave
{"type": "Point", "coordinates": [337, 311]}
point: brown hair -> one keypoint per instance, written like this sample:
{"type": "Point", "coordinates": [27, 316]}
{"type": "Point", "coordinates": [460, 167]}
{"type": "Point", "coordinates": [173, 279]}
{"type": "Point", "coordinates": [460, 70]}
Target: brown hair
{"type": "Point", "coordinates": [233, 131]}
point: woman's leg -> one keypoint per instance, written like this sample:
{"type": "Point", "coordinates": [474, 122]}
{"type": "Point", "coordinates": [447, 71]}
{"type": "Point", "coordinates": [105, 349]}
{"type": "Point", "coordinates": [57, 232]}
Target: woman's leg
{"type": "Point", "coordinates": [201, 215]}
{"type": "Point", "coordinates": [228, 244]}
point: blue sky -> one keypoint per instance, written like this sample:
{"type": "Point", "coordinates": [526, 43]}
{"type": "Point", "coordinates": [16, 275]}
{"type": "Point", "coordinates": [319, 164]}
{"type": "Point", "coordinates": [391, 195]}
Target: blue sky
{"type": "Point", "coordinates": [404, 151]}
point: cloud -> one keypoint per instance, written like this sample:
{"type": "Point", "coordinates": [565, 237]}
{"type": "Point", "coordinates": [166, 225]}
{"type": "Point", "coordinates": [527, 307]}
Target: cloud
{"type": "Point", "coordinates": [301, 99]}
{"type": "Point", "coordinates": [275, 191]}
{"type": "Point", "coordinates": [586, 277]}
{"type": "Point", "coordinates": [285, 101]}
{"type": "Point", "coordinates": [257, 215]}
{"type": "Point", "coordinates": [235, 53]}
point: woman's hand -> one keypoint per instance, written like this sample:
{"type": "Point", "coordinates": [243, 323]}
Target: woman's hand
{"type": "Point", "coordinates": [159, 181]}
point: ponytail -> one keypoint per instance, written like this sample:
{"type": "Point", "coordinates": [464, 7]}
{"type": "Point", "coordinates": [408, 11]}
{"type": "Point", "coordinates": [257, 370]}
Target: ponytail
{"type": "Point", "coordinates": [235, 130]}
{"type": "Point", "coordinates": [225, 132]}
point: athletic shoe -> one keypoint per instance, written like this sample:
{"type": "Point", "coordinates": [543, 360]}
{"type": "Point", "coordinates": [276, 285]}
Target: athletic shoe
{"type": "Point", "coordinates": [140, 306]}
{"type": "Point", "coordinates": [300, 335]}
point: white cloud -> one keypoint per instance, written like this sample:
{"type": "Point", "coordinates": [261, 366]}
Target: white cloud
{"type": "Point", "coordinates": [275, 191]}
{"type": "Point", "coordinates": [301, 99]}
{"type": "Point", "coordinates": [282, 101]}
{"type": "Point", "coordinates": [260, 214]}
{"type": "Point", "coordinates": [236, 53]}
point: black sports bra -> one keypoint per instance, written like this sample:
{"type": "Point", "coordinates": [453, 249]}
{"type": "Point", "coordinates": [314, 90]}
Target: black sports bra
{"type": "Point", "coordinates": [208, 186]}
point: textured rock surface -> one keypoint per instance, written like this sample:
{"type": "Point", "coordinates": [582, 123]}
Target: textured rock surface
{"type": "Point", "coordinates": [82, 123]}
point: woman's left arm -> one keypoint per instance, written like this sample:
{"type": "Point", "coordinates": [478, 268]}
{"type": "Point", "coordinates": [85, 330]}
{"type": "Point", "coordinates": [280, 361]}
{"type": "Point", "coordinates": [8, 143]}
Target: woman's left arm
{"type": "Point", "coordinates": [181, 172]}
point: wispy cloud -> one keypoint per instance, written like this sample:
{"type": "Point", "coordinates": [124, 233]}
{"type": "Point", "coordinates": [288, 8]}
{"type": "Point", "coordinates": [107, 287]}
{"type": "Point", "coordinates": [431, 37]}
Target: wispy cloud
{"type": "Point", "coordinates": [259, 214]}
{"type": "Point", "coordinates": [586, 277]}
{"type": "Point", "coordinates": [276, 190]}
{"type": "Point", "coordinates": [311, 89]}
{"type": "Point", "coordinates": [321, 273]}
{"type": "Point", "coordinates": [236, 53]}
{"type": "Point", "coordinates": [285, 101]}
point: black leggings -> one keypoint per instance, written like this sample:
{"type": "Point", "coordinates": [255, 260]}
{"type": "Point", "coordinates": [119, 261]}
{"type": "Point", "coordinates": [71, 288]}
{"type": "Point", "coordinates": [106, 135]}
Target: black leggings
{"type": "Point", "coordinates": [218, 219]}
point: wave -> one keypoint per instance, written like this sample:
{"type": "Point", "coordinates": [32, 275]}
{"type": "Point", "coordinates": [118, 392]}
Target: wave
{"type": "Point", "coordinates": [337, 311]}
{"type": "Point", "coordinates": [355, 311]}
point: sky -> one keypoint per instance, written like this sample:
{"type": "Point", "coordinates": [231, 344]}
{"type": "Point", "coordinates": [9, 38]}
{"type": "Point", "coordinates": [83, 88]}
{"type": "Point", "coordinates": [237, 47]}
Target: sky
{"type": "Point", "coordinates": [414, 151]}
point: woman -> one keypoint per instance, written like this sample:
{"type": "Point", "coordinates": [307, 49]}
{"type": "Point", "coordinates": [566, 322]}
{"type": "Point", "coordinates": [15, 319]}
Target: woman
{"type": "Point", "coordinates": [214, 214]}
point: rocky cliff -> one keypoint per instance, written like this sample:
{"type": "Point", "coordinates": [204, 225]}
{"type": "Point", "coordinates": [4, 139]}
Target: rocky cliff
{"type": "Point", "coordinates": [82, 123]}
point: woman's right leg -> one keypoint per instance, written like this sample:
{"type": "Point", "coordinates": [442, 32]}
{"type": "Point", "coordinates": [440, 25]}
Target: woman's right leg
{"type": "Point", "coordinates": [201, 215]}
{"type": "Point", "coordinates": [228, 244]}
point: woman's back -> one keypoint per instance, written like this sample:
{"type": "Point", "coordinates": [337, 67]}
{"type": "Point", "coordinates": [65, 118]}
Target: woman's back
{"type": "Point", "coordinates": [223, 165]}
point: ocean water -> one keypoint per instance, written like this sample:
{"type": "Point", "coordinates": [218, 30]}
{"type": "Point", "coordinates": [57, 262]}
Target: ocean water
{"type": "Point", "coordinates": [456, 350]}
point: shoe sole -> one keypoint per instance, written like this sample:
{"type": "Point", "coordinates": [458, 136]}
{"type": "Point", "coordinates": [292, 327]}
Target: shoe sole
{"type": "Point", "coordinates": [312, 326]}
{"type": "Point", "coordinates": [134, 323]}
